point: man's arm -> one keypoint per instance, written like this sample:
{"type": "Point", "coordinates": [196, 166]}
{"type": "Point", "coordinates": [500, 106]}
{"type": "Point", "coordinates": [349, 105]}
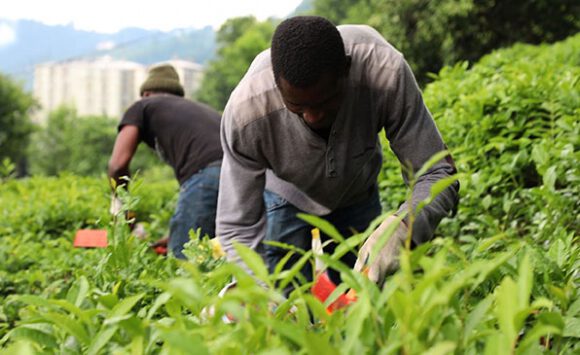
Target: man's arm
{"type": "Point", "coordinates": [414, 138]}
{"type": "Point", "coordinates": [240, 212]}
{"type": "Point", "coordinates": [123, 151]}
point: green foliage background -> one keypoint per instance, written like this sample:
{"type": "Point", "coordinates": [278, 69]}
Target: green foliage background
{"type": "Point", "coordinates": [503, 280]}
{"type": "Point", "coordinates": [79, 144]}
{"type": "Point", "coordinates": [239, 41]}
{"type": "Point", "coordinates": [434, 33]}
{"type": "Point", "coordinates": [15, 123]}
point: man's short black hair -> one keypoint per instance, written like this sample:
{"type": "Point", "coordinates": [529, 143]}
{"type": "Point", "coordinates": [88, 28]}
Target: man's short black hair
{"type": "Point", "coordinates": [305, 47]}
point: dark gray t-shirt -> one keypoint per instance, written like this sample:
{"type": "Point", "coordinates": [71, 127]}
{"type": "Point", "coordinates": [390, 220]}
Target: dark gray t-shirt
{"type": "Point", "coordinates": [184, 133]}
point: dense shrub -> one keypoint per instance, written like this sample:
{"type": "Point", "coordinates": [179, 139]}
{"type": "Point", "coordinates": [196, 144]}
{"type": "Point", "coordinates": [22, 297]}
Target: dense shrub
{"type": "Point", "coordinates": [15, 123]}
{"type": "Point", "coordinates": [512, 123]}
{"type": "Point", "coordinates": [514, 119]}
{"type": "Point", "coordinates": [432, 34]}
{"type": "Point", "coordinates": [39, 217]}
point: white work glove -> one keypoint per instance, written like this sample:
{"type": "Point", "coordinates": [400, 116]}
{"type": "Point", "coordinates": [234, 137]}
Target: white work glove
{"type": "Point", "coordinates": [386, 261]}
{"type": "Point", "coordinates": [209, 311]}
{"type": "Point", "coordinates": [116, 206]}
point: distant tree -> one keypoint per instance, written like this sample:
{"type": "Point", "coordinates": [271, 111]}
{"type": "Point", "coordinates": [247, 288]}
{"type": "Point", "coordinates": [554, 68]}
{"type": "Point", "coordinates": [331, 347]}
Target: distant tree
{"type": "Point", "coordinates": [433, 33]}
{"type": "Point", "coordinates": [337, 11]}
{"type": "Point", "coordinates": [15, 123]}
{"type": "Point", "coordinates": [233, 29]}
{"type": "Point", "coordinates": [79, 144]}
{"type": "Point", "coordinates": [239, 40]}
{"type": "Point", "coordinates": [304, 8]}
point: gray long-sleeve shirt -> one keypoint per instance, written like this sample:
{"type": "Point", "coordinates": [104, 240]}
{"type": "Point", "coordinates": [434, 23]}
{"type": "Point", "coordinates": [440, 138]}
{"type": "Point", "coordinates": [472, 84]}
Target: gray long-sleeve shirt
{"type": "Point", "coordinates": [268, 147]}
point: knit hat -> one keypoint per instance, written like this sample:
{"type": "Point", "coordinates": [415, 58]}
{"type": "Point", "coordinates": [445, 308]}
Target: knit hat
{"type": "Point", "coordinates": [163, 78]}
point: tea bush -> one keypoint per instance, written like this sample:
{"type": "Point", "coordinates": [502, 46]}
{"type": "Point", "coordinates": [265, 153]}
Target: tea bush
{"type": "Point", "coordinates": [502, 280]}
{"type": "Point", "coordinates": [514, 119]}
{"type": "Point", "coordinates": [39, 217]}
{"type": "Point", "coordinates": [512, 123]}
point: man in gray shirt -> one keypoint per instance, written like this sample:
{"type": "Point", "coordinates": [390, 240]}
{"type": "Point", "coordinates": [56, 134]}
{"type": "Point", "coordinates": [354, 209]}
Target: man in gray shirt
{"type": "Point", "coordinates": [300, 134]}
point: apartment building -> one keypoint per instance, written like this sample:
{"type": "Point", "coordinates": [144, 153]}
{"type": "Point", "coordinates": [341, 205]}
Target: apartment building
{"type": "Point", "coordinates": [101, 86]}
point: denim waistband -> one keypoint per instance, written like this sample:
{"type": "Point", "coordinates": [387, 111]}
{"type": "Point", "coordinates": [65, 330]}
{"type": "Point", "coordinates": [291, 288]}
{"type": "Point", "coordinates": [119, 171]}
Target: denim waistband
{"type": "Point", "coordinates": [213, 163]}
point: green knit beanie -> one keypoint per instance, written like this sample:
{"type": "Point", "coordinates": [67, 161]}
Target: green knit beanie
{"type": "Point", "coordinates": [163, 78]}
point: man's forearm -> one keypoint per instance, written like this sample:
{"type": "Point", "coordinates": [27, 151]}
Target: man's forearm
{"type": "Point", "coordinates": [427, 220]}
{"type": "Point", "coordinates": [123, 151]}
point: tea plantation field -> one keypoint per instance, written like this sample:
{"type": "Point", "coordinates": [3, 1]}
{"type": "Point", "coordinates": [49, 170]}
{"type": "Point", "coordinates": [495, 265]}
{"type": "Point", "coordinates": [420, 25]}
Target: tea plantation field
{"type": "Point", "coordinates": [501, 277]}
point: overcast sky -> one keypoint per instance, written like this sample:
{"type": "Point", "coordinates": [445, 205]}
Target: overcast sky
{"type": "Point", "coordinates": [112, 15]}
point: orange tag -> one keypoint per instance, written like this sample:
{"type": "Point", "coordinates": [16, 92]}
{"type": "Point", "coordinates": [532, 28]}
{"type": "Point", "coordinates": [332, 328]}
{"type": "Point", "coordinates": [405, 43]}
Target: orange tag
{"type": "Point", "coordinates": [90, 238]}
{"type": "Point", "coordinates": [322, 289]}
{"type": "Point", "coordinates": [351, 294]}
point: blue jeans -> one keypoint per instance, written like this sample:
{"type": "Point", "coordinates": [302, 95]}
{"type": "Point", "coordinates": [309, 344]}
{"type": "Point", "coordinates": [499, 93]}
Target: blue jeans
{"type": "Point", "coordinates": [196, 208]}
{"type": "Point", "coordinates": [283, 226]}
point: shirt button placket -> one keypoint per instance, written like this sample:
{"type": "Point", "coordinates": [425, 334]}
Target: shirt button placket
{"type": "Point", "coordinates": [330, 162]}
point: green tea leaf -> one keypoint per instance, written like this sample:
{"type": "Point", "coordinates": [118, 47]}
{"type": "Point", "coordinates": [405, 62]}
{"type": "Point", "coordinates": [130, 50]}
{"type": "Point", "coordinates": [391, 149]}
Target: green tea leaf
{"type": "Point", "coordinates": [507, 308]}
{"type": "Point", "coordinates": [488, 242]}
{"type": "Point", "coordinates": [571, 327]}
{"type": "Point", "coordinates": [159, 301]}
{"type": "Point", "coordinates": [441, 185]}
{"type": "Point", "coordinates": [108, 300]}
{"type": "Point", "coordinates": [125, 305]}
{"type": "Point", "coordinates": [542, 302]}
{"type": "Point", "coordinates": [574, 308]}
{"type": "Point", "coordinates": [295, 271]}
{"type": "Point", "coordinates": [497, 343]}
{"type": "Point", "coordinates": [83, 290]}
{"type": "Point", "coordinates": [316, 307]}
{"type": "Point", "coordinates": [34, 300]}
{"type": "Point", "coordinates": [253, 261]}
{"type": "Point", "coordinates": [357, 313]}
{"type": "Point", "coordinates": [334, 295]}
{"type": "Point", "coordinates": [558, 252]}
{"type": "Point", "coordinates": [538, 331]}
{"type": "Point", "coordinates": [101, 339]}
{"type": "Point", "coordinates": [525, 281]}
{"type": "Point", "coordinates": [431, 162]}
{"type": "Point", "coordinates": [550, 178]}
{"type": "Point", "coordinates": [182, 342]}
{"type": "Point", "coordinates": [442, 348]}
{"type": "Point", "coordinates": [553, 319]}
{"type": "Point", "coordinates": [322, 224]}
{"type": "Point", "coordinates": [476, 316]}
{"type": "Point", "coordinates": [20, 347]}
{"type": "Point", "coordinates": [34, 333]}
{"type": "Point", "coordinates": [288, 330]}
{"type": "Point", "coordinates": [318, 344]}
{"type": "Point", "coordinates": [69, 325]}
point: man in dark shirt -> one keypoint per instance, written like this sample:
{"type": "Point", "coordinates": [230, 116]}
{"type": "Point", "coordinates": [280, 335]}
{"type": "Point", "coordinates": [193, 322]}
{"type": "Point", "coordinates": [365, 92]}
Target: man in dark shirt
{"type": "Point", "coordinates": [185, 134]}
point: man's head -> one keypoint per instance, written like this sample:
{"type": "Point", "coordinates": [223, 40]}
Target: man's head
{"type": "Point", "coordinates": [310, 67]}
{"type": "Point", "coordinates": [162, 79]}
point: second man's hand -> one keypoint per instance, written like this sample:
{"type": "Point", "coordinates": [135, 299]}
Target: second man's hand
{"type": "Point", "coordinates": [386, 261]}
